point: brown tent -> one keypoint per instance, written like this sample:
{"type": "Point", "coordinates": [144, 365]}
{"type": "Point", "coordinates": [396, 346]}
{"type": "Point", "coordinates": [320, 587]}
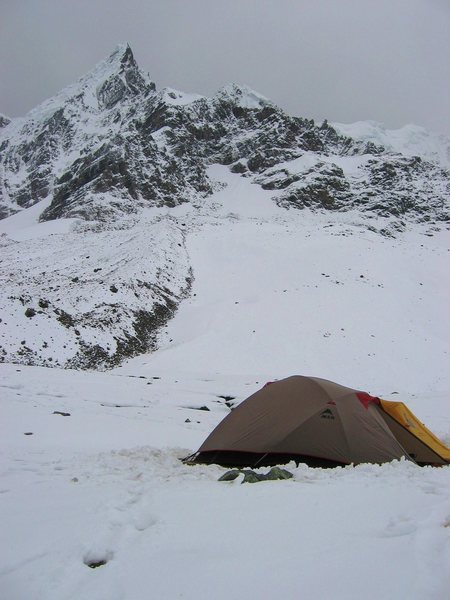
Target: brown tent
{"type": "Point", "coordinates": [319, 422]}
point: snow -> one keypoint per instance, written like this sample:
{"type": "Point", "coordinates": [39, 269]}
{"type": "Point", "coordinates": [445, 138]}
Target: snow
{"type": "Point", "coordinates": [310, 160]}
{"type": "Point", "coordinates": [244, 96]}
{"type": "Point", "coordinates": [410, 140]}
{"type": "Point", "coordinates": [313, 293]}
{"type": "Point", "coordinates": [177, 98]}
{"type": "Point", "coordinates": [25, 225]}
{"type": "Point", "coordinates": [105, 483]}
{"type": "Point", "coordinates": [275, 293]}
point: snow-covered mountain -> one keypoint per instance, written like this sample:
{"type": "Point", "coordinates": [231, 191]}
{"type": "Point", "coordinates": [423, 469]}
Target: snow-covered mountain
{"type": "Point", "coordinates": [111, 144]}
{"type": "Point", "coordinates": [92, 188]}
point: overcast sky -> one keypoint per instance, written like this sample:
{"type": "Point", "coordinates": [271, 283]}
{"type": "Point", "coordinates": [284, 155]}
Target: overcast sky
{"type": "Point", "coordinates": [345, 60]}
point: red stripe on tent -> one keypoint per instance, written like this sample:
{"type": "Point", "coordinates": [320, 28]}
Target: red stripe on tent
{"type": "Point", "coordinates": [366, 399]}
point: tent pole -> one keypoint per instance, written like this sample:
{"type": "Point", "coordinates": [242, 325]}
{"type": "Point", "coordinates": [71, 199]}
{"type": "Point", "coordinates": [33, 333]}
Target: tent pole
{"type": "Point", "coordinates": [262, 458]}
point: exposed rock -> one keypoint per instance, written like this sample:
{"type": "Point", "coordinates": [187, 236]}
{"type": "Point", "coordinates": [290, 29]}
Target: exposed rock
{"type": "Point", "coordinates": [230, 475]}
{"type": "Point", "coordinates": [4, 121]}
{"type": "Point", "coordinates": [278, 473]}
{"type": "Point", "coordinates": [250, 476]}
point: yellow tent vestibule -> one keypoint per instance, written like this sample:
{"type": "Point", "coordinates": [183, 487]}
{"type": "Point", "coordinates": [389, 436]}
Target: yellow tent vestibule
{"type": "Point", "coordinates": [420, 443]}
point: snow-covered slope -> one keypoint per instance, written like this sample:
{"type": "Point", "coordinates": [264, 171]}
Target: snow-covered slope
{"type": "Point", "coordinates": [80, 295]}
{"type": "Point", "coordinates": [76, 297]}
{"type": "Point", "coordinates": [310, 291]}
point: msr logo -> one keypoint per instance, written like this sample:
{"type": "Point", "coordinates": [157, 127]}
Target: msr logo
{"type": "Point", "coordinates": [327, 414]}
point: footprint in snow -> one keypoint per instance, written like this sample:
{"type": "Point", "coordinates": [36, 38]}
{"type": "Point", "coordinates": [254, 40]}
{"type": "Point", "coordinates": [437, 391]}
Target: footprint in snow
{"type": "Point", "coordinates": [399, 528]}
{"type": "Point", "coordinates": [134, 511]}
{"type": "Point", "coordinates": [97, 557]}
{"type": "Point", "coordinates": [143, 519]}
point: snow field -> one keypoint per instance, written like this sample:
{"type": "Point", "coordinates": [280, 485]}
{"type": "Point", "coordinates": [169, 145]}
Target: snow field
{"type": "Point", "coordinates": [105, 484]}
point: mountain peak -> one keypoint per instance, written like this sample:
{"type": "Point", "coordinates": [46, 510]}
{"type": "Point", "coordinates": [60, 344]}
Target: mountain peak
{"type": "Point", "coordinates": [122, 56]}
{"type": "Point", "coordinates": [120, 61]}
{"type": "Point", "coordinates": [119, 76]}
{"type": "Point", "coordinates": [112, 79]}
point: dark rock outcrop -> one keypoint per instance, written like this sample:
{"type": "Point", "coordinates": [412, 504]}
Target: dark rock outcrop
{"type": "Point", "coordinates": [4, 121]}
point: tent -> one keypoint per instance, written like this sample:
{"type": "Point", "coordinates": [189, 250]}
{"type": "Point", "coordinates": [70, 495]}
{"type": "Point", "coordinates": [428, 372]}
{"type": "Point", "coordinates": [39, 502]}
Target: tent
{"type": "Point", "coordinates": [319, 422]}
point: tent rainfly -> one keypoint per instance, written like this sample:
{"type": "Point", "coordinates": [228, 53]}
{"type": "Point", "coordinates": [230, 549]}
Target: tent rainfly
{"type": "Point", "coordinates": [321, 423]}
